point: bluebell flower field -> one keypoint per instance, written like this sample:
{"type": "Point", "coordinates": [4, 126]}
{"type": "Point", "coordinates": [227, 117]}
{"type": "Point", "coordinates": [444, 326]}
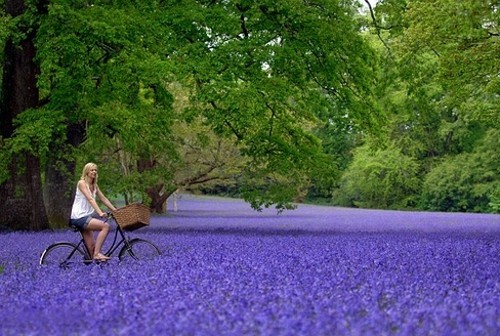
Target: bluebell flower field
{"type": "Point", "coordinates": [228, 270]}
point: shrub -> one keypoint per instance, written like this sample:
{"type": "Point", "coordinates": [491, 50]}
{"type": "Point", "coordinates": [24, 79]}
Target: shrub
{"type": "Point", "coordinates": [383, 178]}
{"type": "Point", "coordinates": [467, 182]}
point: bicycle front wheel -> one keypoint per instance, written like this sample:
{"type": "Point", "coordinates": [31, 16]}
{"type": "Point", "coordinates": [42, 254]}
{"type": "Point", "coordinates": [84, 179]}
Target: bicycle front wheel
{"type": "Point", "coordinates": [62, 254]}
{"type": "Point", "coordinates": [139, 249]}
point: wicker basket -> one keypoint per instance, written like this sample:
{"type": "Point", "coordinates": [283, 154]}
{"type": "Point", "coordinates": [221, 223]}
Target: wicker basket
{"type": "Point", "coordinates": [133, 216]}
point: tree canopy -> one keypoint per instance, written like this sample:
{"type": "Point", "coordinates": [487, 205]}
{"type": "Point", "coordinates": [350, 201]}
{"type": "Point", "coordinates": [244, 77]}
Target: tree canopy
{"type": "Point", "coordinates": [262, 74]}
{"type": "Point", "coordinates": [278, 100]}
{"type": "Point", "coordinates": [440, 92]}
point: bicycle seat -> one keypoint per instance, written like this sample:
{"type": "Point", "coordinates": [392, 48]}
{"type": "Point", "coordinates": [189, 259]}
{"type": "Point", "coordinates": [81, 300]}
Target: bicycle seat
{"type": "Point", "coordinates": [74, 228]}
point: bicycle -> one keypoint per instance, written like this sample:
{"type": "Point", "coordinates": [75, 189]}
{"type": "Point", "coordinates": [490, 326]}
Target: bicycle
{"type": "Point", "coordinates": [65, 254]}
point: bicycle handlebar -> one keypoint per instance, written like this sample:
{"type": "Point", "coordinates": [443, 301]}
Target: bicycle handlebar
{"type": "Point", "coordinates": [109, 215]}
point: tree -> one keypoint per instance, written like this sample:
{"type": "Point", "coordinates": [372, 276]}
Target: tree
{"type": "Point", "coordinates": [261, 73]}
{"type": "Point", "coordinates": [468, 182]}
{"type": "Point", "coordinates": [442, 94]}
{"type": "Point", "coordinates": [272, 72]}
{"type": "Point", "coordinates": [382, 178]}
{"type": "Point", "coordinates": [465, 36]}
{"type": "Point", "coordinates": [87, 57]}
{"type": "Point", "coordinates": [462, 37]}
{"type": "Point", "coordinates": [21, 195]}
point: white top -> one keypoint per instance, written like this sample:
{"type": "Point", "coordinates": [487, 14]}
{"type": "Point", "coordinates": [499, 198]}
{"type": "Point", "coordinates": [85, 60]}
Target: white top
{"type": "Point", "coordinates": [81, 206]}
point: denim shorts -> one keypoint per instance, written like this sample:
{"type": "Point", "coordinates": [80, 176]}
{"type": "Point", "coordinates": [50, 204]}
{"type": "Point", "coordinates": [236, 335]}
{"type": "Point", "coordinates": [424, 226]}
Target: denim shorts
{"type": "Point", "coordinates": [82, 223]}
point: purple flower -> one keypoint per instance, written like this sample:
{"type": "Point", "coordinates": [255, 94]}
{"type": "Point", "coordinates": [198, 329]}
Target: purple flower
{"type": "Point", "coordinates": [227, 270]}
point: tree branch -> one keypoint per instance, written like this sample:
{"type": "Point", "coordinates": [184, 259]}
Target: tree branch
{"type": "Point", "coordinates": [376, 25]}
{"type": "Point", "coordinates": [244, 29]}
{"type": "Point", "coordinates": [228, 124]}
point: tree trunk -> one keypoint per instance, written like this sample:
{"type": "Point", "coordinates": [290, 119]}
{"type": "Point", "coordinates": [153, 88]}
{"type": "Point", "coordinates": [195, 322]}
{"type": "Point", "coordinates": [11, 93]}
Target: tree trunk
{"type": "Point", "coordinates": [58, 192]}
{"type": "Point", "coordinates": [21, 199]}
{"type": "Point", "coordinates": [158, 199]}
{"type": "Point", "coordinates": [59, 189]}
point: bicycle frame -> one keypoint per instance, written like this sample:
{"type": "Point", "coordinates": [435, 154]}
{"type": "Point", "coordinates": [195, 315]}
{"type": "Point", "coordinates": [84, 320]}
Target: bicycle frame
{"type": "Point", "coordinates": [136, 248]}
{"type": "Point", "coordinates": [114, 246]}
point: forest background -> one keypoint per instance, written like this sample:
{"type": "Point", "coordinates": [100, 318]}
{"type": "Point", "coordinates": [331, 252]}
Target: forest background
{"type": "Point", "coordinates": [394, 106]}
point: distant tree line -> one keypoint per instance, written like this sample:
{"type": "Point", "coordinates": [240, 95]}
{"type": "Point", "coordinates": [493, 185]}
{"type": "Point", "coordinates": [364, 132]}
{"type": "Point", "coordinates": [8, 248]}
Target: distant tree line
{"type": "Point", "coordinates": [438, 87]}
{"type": "Point", "coordinates": [440, 90]}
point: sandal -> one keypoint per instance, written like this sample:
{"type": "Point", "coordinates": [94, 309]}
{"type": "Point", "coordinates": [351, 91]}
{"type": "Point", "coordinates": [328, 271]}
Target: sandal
{"type": "Point", "coordinates": [101, 257]}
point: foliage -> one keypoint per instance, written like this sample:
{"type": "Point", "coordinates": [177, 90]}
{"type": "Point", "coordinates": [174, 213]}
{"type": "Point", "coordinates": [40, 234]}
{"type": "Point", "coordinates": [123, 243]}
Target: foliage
{"type": "Point", "coordinates": [207, 159]}
{"type": "Point", "coordinates": [261, 76]}
{"type": "Point", "coordinates": [101, 65]}
{"type": "Point", "coordinates": [465, 37]}
{"type": "Point", "coordinates": [439, 91]}
{"type": "Point", "coordinates": [339, 135]}
{"type": "Point", "coordinates": [34, 132]}
{"type": "Point", "coordinates": [273, 97]}
{"type": "Point", "coordinates": [286, 66]}
{"type": "Point", "coordinates": [5, 30]}
{"type": "Point", "coordinates": [495, 203]}
{"type": "Point", "coordinates": [5, 155]}
{"type": "Point", "coordinates": [381, 178]}
{"type": "Point", "coordinates": [466, 182]}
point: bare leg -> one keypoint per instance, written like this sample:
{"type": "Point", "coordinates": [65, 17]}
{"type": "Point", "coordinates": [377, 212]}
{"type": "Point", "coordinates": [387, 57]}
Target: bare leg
{"type": "Point", "coordinates": [88, 238]}
{"type": "Point", "coordinates": [103, 228]}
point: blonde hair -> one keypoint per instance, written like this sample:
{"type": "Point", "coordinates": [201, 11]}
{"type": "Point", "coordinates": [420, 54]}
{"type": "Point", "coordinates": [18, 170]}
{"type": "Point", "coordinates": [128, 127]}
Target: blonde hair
{"type": "Point", "coordinates": [88, 167]}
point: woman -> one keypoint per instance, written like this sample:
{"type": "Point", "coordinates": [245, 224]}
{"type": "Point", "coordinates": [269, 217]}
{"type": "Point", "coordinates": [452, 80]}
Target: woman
{"type": "Point", "coordinates": [86, 214]}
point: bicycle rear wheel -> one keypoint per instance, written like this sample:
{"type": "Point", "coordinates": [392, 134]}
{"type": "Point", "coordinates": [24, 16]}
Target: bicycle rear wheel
{"type": "Point", "coordinates": [139, 249]}
{"type": "Point", "coordinates": [63, 255]}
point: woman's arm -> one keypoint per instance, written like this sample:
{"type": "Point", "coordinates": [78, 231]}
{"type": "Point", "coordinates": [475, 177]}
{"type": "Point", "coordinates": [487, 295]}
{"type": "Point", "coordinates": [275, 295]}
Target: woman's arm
{"type": "Point", "coordinates": [105, 200]}
{"type": "Point", "coordinates": [86, 192]}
